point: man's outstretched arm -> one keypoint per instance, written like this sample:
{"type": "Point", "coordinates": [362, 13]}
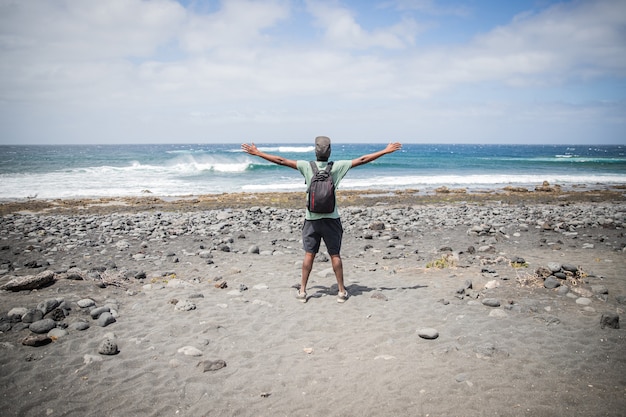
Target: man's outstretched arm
{"type": "Point", "coordinates": [392, 147]}
{"type": "Point", "coordinates": [253, 150]}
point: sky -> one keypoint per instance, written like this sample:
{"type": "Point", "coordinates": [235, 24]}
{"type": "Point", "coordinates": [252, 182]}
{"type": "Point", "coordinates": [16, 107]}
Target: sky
{"type": "Point", "coordinates": [285, 71]}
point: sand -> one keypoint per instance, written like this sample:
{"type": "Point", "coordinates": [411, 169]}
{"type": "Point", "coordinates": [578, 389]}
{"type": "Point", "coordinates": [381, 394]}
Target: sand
{"type": "Point", "coordinates": [540, 353]}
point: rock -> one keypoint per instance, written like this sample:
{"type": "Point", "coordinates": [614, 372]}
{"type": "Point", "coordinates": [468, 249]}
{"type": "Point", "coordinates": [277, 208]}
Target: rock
{"type": "Point", "coordinates": [583, 301]}
{"type": "Point", "coordinates": [98, 311]}
{"type": "Point", "coordinates": [32, 316]}
{"type": "Point", "coordinates": [492, 284]}
{"type": "Point", "coordinates": [190, 351]}
{"type": "Point", "coordinates": [254, 249]}
{"type": "Point", "coordinates": [36, 341]}
{"type": "Point", "coordinates": [491, 302]}
{"type": "Point", "coordinates": [570, 268]}
{"type": "Point", "coordinates": [79, 325]}
{"type": "Point", "coordinates": [209, 366]}
{"type": "Point", "coordinates": [554, 266]}
{"type": "Point", "coordinates": [56, 333]}
{"type": "Point", "coordinates": [57, 314]}
{"type": "Point", "coordinates": [42, 326]}
{"type": "Point", "coordinates": [105, 319]}
{"type": "Point", "coordinates": [108, 347]}
{"type": "Point", "coordinates": [377, 226]}
{"type": "Point", "coordinates": [29, 282]}
{"type": "Point", "coordinates": [486, 248]}
{"type": "Point", "coordinates": [377, 295]}
{"type": "Point", "coordinates": [86, 303]}
{"type": "Point", "coordinates": [184, 305]}
{"type": "Point", "coordinates": [428, 333]}
{"type": "Point", "coordinates": [610, 320]}
{"type": "Point", "coordinates": [16, 314]}
{"type": "Point", "coordinates": [551, 282]}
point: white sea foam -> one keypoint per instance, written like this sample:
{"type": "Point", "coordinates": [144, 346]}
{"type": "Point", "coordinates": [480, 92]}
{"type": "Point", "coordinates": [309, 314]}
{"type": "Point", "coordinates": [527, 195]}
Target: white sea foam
{"type": "Point", "coordinates": [476, 181]}
{"type": "Point", "coordinates": [183, 178]}
{"type": "Point", "coordinates": [285, 149]}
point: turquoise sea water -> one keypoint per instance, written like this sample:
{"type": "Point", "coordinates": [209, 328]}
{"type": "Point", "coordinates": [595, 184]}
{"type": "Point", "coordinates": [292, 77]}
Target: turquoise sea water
{"type": "Point", "coordinates": [67, 171]}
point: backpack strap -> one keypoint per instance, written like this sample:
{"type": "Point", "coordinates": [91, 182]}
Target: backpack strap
{"type": "Point", "coordinates": [329, 166]}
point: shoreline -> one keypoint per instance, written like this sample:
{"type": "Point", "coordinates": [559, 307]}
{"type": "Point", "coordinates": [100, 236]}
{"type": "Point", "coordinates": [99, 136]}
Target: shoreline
{"type": "Point", "coordinates": [544, 194]}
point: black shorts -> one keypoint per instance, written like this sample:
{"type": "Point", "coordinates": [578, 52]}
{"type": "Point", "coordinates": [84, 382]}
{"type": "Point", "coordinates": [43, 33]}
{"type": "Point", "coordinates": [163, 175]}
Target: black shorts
{"type": "Point", "coordinates": [330, 230]}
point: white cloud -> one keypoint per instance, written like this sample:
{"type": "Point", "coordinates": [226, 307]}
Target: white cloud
{"type": "Point", "coordinates": [342, 30]}
{"type": "Point", "coordinates": [37, 30]}
{"type": "Point", "coordinates": [237, 23]}
{"type": "Point", "coordinates": [156, 67]}
{"type": "Point", "coordinates": [566, 43]}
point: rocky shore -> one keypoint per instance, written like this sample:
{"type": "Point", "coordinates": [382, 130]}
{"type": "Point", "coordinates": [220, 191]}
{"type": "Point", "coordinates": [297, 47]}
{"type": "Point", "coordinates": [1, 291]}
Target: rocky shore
{"type": "Point", "coordinates": [482, 304]}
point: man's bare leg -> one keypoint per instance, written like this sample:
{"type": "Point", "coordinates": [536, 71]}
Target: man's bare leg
{"type": "Point", "coordinates": [307, 266]}
{"type": "Point", "coordinates": [338, 268]}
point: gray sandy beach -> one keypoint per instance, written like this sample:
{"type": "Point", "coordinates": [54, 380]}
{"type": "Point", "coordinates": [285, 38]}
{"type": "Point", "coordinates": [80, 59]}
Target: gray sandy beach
{"type": "Point", "coordinates": [463, 307]}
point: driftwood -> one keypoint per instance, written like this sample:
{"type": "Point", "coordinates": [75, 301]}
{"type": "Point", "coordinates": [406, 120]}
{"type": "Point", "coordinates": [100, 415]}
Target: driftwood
{"type": "Point", "coordinates": [29, 282]}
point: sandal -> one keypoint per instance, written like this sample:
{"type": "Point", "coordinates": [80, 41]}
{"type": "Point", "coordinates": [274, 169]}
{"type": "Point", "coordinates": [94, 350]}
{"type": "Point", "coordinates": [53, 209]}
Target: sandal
{"type": "Point", "coordinates": [301, 296]}
{"type": "Point", "coordinates": [342, 297]}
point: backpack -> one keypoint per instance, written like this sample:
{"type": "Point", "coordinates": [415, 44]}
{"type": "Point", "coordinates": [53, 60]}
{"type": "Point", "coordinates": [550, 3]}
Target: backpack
{"type": "Point", "coordinates": [321, 192]}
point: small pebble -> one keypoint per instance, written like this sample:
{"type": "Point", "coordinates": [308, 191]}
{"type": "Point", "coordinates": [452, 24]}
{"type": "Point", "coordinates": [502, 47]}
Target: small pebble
{"type": "Point", "coordinates": [428, 333]}
{"type": "Point", "coordinates": [208, 366]}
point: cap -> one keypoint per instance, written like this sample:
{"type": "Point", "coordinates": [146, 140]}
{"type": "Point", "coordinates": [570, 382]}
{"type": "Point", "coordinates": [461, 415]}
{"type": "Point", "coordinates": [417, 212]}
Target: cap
{"type": "Point", "coordinates": [322, 148]}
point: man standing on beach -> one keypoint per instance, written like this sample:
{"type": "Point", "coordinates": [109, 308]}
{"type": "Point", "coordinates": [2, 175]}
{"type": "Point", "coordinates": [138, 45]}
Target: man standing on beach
{"type": "Point", "coordinates": [322, 226]}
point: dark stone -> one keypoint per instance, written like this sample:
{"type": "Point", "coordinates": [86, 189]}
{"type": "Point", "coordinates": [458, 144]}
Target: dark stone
{"type": "Point", "coordinates": [105, 319]}
{"type": "Point", "coordinates": [560, 275]}
{"type": "Point", "coordinates": [96, 312]}
{"type": "Point", "coordinates": [491, 302]}
{"type": "Point", "coordinates": [570, 268]}
{"type": "Point", "coordinates": [551, 283]}
{"type": "Point", "coordinates": [48, 305]}
{"type": "Point", "coordinates": [57, 314]}
{"type": "Point", "coordinates": [36, 341]}
{"type": "Point", "coordinates": [610, 320]}
{"type": "Point", "coordinates": [32, 316]}
{"type": "Point", "coordinates": [42, 326]}
{"type": "Point", "coordinates": [518, 260]}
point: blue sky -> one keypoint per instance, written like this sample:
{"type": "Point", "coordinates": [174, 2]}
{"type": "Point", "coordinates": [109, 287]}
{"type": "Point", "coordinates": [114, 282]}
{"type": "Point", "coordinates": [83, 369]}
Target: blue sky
{"type": "Point", "coordinates": [419, 71]}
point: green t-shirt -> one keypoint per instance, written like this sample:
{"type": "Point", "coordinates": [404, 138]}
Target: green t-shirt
{"type": "Point", "coordinates": [339, 170]}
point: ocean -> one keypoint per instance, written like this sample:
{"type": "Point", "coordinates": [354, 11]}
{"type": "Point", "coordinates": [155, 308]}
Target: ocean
{"type": "Point", "coordinates": [78, 171]}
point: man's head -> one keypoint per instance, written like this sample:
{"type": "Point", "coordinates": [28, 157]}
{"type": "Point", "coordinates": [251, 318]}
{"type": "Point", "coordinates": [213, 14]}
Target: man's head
{"type": "Point", "coordinates": [322, 148]}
